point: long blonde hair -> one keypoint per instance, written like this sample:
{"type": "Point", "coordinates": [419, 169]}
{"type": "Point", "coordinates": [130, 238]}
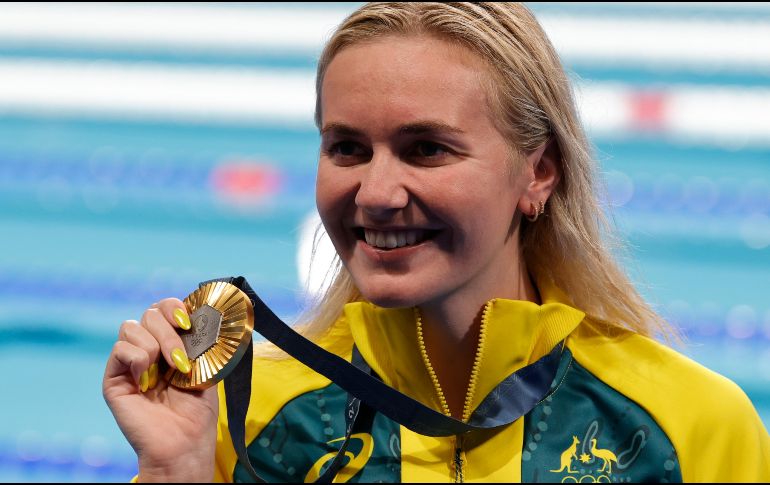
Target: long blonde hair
{"type": "Point", "coordinates": [531, 96]}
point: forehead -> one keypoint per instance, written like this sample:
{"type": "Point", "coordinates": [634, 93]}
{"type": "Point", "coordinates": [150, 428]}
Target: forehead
{"type": "Point", "coordinates": [405, 78]}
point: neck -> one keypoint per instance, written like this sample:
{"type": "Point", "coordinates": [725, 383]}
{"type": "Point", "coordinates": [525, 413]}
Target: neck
{"type": "Point", "coordinates": [451, 330]}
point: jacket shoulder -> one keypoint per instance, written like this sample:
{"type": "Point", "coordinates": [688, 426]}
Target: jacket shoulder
{"type": "Point", "coordinates": [717, 433]}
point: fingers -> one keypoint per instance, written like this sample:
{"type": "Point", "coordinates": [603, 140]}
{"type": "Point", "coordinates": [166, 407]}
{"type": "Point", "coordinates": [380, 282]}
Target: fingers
{"type": "Point", "coordinates": [140, 345]}
{"type": "Point", "coordinates": [133, 333]}
{"type": "Point", "coordinates": [162, 330]}
{"type": "Point", "coordinates": [126, 357]}
{"type": "Point", "coordinates": [175, 312]}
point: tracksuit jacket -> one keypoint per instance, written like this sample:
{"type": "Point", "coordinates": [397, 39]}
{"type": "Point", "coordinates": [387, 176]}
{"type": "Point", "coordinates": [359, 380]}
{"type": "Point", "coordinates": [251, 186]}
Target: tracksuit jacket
{"type": "Point", "coordinates": [623, 408]}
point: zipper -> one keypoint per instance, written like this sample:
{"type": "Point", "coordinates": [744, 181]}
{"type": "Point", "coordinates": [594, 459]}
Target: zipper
{"type": "Point", "coordinates": [429, 366]}
{"type": "Point", "coordinates": [474, 377]}
{"type": "Point", "coordinates": [458, 460]}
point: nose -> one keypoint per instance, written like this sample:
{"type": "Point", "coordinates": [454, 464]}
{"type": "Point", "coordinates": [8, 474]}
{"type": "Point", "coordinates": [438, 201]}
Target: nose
{"type": "Point", "coordinates": [382, 189]}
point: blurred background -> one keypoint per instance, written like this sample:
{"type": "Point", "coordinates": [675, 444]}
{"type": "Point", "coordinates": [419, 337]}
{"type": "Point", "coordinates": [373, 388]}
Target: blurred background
{"type": "Point", "coordinates": [147, 147]}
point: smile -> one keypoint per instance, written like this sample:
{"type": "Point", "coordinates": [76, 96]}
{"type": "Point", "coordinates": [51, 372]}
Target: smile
{"type": "Point", "coordinates": [394, 239]}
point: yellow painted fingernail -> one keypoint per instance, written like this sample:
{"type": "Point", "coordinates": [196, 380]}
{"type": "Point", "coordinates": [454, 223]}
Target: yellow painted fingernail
{"type": "Point", "coordinates": [153, 375]}
{"type": "Point", "coordinates": [144, 381]}
{"type": "Point", "coordinates": [182, 319]}
{"type": "Point", "coordinates": [181, 361]}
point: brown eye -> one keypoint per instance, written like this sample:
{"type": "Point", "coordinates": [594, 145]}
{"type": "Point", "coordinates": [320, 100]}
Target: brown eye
{"type": "Point", "coordinates": [347, 152]}
{"type": "Point", "coordinates": [346, 149]}
{"type": "Point", "coordinates": [429, 149]}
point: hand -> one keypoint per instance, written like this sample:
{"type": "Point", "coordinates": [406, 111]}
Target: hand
{"type": "Point", "coordinates": [173, 432]}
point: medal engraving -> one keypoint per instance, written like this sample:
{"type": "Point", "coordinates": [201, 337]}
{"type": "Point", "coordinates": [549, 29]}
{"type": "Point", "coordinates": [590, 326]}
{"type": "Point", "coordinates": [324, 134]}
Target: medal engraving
{"type": "Point", "coordinates": [222, 319]}
{"type": "Point", "coordinates": [204, 332]}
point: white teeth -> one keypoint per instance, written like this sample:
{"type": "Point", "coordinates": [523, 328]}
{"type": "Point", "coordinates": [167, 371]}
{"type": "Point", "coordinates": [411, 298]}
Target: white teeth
{"type": "Point", "coordinates": [393, 239]}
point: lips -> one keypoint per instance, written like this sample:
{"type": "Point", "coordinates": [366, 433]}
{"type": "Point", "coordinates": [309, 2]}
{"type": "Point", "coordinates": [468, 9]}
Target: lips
{"type": "Point", "coordinates": [393, 239]}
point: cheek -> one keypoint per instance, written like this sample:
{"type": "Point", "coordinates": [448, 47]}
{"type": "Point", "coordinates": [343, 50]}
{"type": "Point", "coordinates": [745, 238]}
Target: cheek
{"type": "Point", "coordinates": [333, 199]}
{"type": "Point", "coordinates": [477, 205]}
{"type": "Point", "coordinates": [325, 192]}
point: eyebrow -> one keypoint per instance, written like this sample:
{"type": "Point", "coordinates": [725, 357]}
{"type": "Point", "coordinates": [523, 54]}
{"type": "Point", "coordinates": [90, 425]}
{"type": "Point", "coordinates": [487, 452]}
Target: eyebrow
{"type": "Point", "coordinates": [416, 128]}
{"type": "Point", "coordinates": [341, 129]}
{"type": "Point", "coordinates": [421, 127]}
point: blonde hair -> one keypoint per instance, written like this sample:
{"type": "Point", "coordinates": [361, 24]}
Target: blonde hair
{"type": "Point", "coordinates": [531, 95]}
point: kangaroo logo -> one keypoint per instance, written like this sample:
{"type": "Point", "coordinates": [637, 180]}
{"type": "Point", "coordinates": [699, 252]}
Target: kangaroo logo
{"type": "Point", "coordinates": [586, 475]}
{"type": "Point", "coordinates": [567, 456]}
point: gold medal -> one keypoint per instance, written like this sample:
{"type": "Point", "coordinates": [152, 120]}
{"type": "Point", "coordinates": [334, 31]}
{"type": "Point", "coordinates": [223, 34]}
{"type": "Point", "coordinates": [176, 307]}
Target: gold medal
{"type": "Point", "coordinates": [222, 319]}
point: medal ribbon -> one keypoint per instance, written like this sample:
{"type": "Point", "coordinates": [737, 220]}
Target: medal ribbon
{"type": "Point", "coordinates": [515, 396]}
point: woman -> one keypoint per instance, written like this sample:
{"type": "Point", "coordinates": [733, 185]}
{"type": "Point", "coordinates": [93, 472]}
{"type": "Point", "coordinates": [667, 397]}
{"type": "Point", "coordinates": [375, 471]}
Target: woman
{"type": "Point", "coordinates": [456, 184]}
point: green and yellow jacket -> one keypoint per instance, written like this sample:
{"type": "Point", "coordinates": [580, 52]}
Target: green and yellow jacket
{"type": "Point", "coordinates": [623, 408]}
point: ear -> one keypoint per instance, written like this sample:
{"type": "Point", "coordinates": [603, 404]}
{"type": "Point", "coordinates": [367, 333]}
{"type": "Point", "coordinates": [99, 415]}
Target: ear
{"type": "Point", "coordinates": [543, 170]}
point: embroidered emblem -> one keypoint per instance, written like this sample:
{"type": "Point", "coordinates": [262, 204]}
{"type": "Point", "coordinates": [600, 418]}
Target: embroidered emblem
{"type": "Point", "coordinates": [567, 456]}
{"type": "Point", "coordinates": [355, 462]}
{"type": "Point", "coordinates": [605, 455]}
{"type": "Point", "coordinates": [602, 475]}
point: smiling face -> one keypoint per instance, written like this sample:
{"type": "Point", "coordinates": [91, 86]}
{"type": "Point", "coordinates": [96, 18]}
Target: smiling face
{"type": "Point", "coordinates": [415, 184]}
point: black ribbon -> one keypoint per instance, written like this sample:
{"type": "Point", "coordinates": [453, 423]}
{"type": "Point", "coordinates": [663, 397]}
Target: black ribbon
{"type": "Point", "coordinates": [359, 418]}
{"type": "Point", "coordinates": [367, 394]}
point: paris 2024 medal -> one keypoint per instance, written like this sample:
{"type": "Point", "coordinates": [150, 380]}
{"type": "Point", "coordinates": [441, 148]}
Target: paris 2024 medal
{"type": "Point", "coordinates": [222, 319]}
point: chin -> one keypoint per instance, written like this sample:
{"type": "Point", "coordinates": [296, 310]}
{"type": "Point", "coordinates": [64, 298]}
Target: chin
{"type": "Point", "coordinates": [391, 302]}
{"type": "Point", "coordinates": [391, 296]}
{"type": "Point", "coordinates": [389, 299]}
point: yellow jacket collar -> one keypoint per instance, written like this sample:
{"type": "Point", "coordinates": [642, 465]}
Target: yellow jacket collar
{"type": "Point", "coordinates": [514, 334]}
